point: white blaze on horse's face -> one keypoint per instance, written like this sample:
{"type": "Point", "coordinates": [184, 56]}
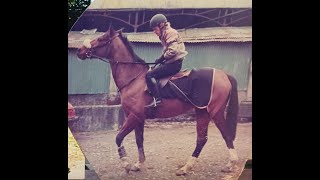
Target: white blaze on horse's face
{"type": "Point", "coordinates": [87, 43]}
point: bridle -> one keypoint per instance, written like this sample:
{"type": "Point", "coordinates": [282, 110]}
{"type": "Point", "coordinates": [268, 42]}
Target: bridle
{"type": "Point", "coordinates": [90, 54]}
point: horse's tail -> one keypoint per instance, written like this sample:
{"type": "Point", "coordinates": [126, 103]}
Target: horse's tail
{"type": "Point", "coordinates": [233, 108]}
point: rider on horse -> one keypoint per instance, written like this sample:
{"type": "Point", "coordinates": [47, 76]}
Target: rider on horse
{"type": "Point", "coordinates": [171, 59]}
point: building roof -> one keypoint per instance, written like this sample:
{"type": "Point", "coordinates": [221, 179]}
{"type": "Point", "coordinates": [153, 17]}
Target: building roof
{"type": "Point", "coordinates": [169, 4]}
{"type": "Point", "coordinates": [196, 35]}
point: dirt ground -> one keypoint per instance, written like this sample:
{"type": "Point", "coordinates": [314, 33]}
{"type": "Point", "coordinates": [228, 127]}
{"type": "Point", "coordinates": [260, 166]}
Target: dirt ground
{"type": "Point", "coordinates": [167, 147]}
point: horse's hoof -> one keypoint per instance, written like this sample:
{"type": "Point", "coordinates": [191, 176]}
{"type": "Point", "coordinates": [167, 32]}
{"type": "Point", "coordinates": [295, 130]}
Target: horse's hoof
{"type": "Point", "coordinates": [227, 169]}
{"type": "Point", "coordinates": [180, 172]}
{"type": "Point", "coordinates": [135, 169]}
{"type": "Point", "coordinates": [127, 168]}
{"type": "Point", "coordinates": [180, 166]}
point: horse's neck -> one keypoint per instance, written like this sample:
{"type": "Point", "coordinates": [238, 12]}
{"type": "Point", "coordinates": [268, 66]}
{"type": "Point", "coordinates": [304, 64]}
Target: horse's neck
{"type": "Point", "coordinates": [123, 73]}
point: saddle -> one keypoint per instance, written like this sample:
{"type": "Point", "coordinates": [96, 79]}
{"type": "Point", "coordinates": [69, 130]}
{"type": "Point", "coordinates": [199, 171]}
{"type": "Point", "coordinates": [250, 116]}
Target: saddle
{"type": "Point", "coordinates": [194, 86]}
{"type": "Point", "coordinates": [164, 81]}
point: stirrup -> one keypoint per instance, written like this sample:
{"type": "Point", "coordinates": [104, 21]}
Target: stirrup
{"type": "Point", "coordinates": [154, 103]}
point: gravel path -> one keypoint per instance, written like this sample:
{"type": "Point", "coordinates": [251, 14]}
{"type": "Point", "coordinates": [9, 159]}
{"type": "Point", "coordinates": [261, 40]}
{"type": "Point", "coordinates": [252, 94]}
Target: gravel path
{"type": "Point", "coordinates": [167, 147]}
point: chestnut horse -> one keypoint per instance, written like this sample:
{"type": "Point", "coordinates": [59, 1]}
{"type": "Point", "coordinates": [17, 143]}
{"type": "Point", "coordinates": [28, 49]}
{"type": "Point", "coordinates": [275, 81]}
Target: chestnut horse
{"type": "Point", "coordinates": [129, 72]}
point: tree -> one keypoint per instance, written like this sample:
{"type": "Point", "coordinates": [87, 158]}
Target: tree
{"type": "Point", "coordinates": [75, 9]}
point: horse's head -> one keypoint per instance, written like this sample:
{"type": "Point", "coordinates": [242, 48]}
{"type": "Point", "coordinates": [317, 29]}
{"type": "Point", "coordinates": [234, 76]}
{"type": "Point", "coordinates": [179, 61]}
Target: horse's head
{"type": "Point", "coordinates": [99, 47]}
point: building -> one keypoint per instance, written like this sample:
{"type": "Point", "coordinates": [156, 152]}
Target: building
{"type": "Point", "coordinates": [218, 34]}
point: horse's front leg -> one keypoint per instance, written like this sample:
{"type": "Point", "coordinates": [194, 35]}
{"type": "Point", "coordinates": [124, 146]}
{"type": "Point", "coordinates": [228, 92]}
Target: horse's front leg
{"type": "Point", "coordinates": [139, 140]}
{"type": "Point", "coordinates": [130, 123]}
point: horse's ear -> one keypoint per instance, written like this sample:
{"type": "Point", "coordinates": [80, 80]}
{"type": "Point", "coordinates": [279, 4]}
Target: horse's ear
{"type": "Point", "coordinates": [111, 31]}
{"type": "Point", "coordinates": [110, 28]}
{"type": "Point", "coordinates": [120, 31]}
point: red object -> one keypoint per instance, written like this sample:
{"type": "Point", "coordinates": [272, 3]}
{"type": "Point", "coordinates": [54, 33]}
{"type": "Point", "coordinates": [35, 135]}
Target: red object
{"type": "Point", "coordinates": [71, 112]}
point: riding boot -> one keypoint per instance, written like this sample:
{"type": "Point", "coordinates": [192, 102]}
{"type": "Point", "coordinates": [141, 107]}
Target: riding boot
{"type": "Point", "coordinates": [156, 94]}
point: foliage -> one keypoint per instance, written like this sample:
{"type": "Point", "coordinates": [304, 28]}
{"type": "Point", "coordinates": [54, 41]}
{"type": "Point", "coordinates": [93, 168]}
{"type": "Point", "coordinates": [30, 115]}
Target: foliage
{"type": "Point", "coordinates": [75, 9]}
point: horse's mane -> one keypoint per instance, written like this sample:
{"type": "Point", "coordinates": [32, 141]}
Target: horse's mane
{"type": "Point", "coordinates": [130, 49]}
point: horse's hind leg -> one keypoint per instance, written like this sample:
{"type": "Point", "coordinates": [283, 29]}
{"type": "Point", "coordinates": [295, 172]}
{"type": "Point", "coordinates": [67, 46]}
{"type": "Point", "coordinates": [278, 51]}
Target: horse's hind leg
{"type": "Point", "coordinates": [203, 120]}
{"type": "Point", "coordinates": [221, 124]}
